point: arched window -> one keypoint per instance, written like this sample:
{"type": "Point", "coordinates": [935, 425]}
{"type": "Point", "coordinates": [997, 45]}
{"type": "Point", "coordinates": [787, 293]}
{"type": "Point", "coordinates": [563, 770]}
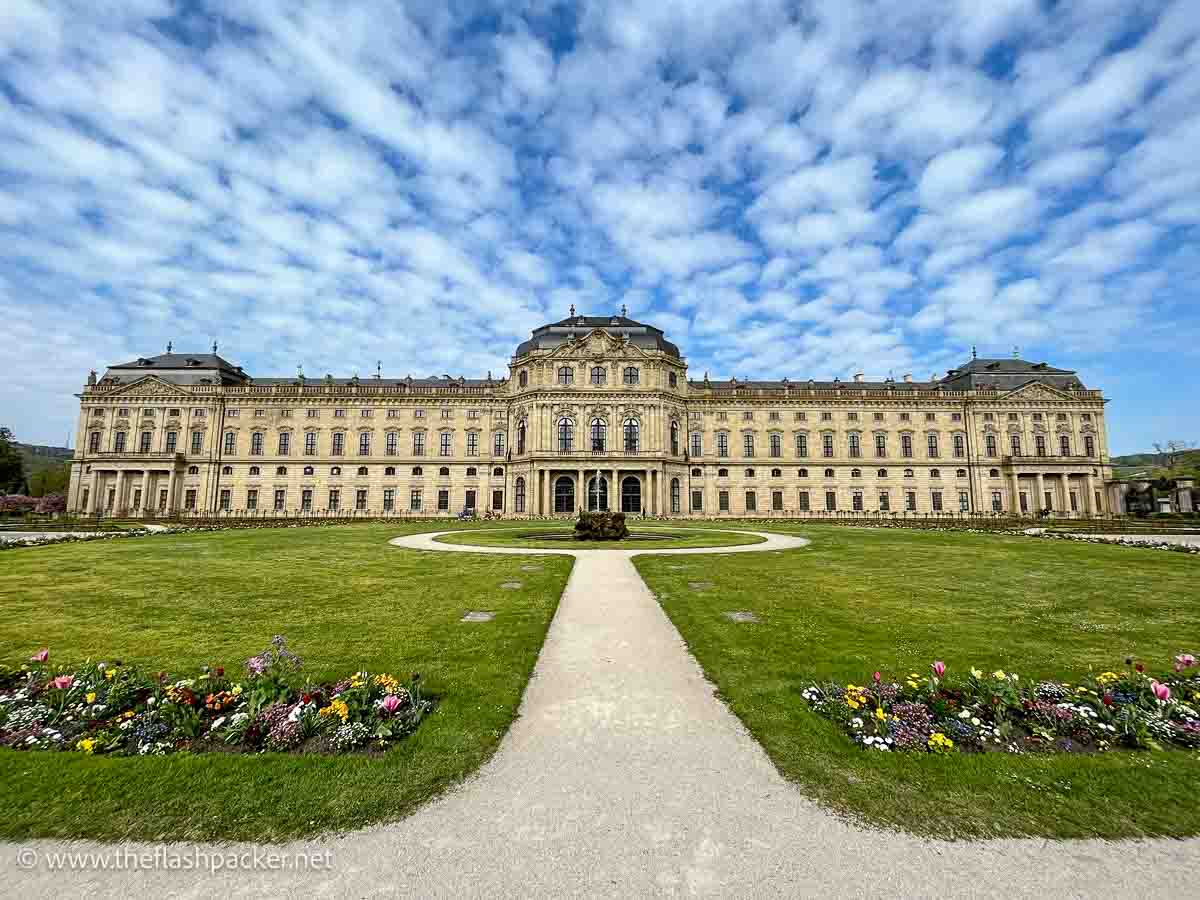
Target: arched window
{"type": "Point", "coordinates": [855, 444]}
{"type": "Point", "coordinates": [722, 473]}
{"type": "Point", "coordinates": [227, 470]}
{"type": "Point", "coordinates": [631, 375]}
{"type": "Point", "coordinates": [856, 473]}
{"type": "Point", "coordinates": [566, 375]}
{"type": "Point", "coordinates": [193, 470]}
{"type": "Point", "coordinates": [308, 470]}
{"type": "Point", "coordinates": [990, 444]}
{"type": "Point", "coordinates": [829, 473]}
{"type": "Point", "coordinates": [599, 375]}
{"type": "Point", "coordinates": [777, 473]}
{"type": "Point", "coordinates": [597, 494]}
{"type": "Point", "coordinates": [961, 473]}
{"type": "Point", "coordinates": [749, 473]}
{"type": "Point", "coordinates": [599, 435]}
{"type": "Point", "coordinates": [908, 473]}
{"type": "Point", "coordinates": [696, 473]}
{"type": "Point", "coordinates": [935, 473]}
{"type": "Point", "coordinates": [776, 444]}
{"type": "Point", "coordinates": [362, 470]}
{"type": "Point", "coordinates": [631, 495]}
{"type": "Point", "coordinates": [674, 438]}
{"type": "Point", "coordinates": [389, 470]}
{"type": "Point", "coordinates": [521, 436]}
{"type": "Point", "coordinates": [417, 470]}
{"type": "Point", "coordinates": [336, 470]}
{"type": "Point", "coordinates": [281, 470]}
{"type": "Point", "coordinates": [960, 446]}
{"type": "Point", "coordinates": [254, 470]}
{"type": "Point", "coordinates": [672, 379]}
{"type": "Point", "coordinates": [566, 434]}
{"type": "Point", "coordinates": [497, 471]}
{"type": "Point", "coordinates": [882, 473]}
{"type": "Point", "coordinates": [256, 443]}
{"type": "Point", "coordinates": [802, 473]}
{"type": "Point", "coordinates": [675, 495]}
{"type": "Point", "coordinates": [444, 471]}
{"type": "Point", "coordinates": [523, 378]}
{"type": "Point", "coordinates": [472, 472]}
{"type": "Point", "coordinates": [230, 443]}
{"type": "Point", "coordinates": [519, 499]}
{"type": "Point", "coordinates": [631, 435]}
{"type": "Point", "coordinates": [994, 473]}
{"type": "Point", "coordinates": [364, 443]}
{"type": "Point", "coordinates": [564, 494]}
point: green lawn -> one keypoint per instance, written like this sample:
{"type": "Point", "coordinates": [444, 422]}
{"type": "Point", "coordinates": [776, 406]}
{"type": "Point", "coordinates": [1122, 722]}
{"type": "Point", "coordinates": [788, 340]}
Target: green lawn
{"type": "Point", "coordinates": [860, 599]}
{"type": "Point", "coordinates": [528, 537]}
{"type": "Point", "coordinates": [344, 599]}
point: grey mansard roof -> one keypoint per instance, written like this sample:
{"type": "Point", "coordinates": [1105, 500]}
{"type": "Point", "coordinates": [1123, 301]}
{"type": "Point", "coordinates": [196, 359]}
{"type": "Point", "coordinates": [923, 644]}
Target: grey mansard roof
{"type": "Point", "coordinates": [179, 368]}
{"type": "Point", "coordinates": [547, 337]}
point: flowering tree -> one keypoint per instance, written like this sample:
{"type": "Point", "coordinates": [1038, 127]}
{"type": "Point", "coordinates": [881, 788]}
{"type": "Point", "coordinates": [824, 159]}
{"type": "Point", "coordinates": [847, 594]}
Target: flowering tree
{"type": "Point", "coordinates": [52, 503]}
{"type": "Point", "coordinates": [16, 503]}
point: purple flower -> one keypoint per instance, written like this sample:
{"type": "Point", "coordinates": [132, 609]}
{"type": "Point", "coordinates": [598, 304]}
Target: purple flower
{"type": "Point", "coordinates": [939, 668]}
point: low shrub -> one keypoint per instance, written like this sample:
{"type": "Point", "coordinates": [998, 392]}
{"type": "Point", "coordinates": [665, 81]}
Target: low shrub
{"type": "Point", "coordinates": [601, 526]}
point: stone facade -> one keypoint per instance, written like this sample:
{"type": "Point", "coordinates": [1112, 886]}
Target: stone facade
{"type": "Point", "coordinates": [595, 412]}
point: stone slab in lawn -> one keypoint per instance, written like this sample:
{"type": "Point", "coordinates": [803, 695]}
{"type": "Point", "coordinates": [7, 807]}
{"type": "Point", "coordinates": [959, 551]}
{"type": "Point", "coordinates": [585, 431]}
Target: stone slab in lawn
{"type": "Point", "coordinates": [700, 585]}
{"type": "Point", "coordinates": [511, 586]}
{"type": "Point", "coordinates": [478, 616]}
{"type": "Point", "coordinates": [741, 615]}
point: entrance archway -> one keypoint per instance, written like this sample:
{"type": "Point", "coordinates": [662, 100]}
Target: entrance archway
{"type": "Point", "coordinates": [564, 495]}
{"type": "Point", "coordinates": [597, 495]}
{"type": "Point", "coordinates": [631, 495]}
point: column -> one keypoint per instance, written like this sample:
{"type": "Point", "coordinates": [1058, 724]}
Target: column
{"type": "Point", "coordinates": [145, 490]}
{"type": "Point", "coordinates": [119, 499]}
{"type": "Point", "coordinates": [1088, 505]}
{"type": "Point", "coordinates": [94, 493]}
{"type": "Point", "coordinates": [1041, 493]}
{"type": "Point", "coordinates": [171, 491]}
{"type": "Point", "coordinates": [648, 502]}
{"type": "Point", "coordinates": [1015, 491]}
{"type": "Point", "coordinates": [580, 491]}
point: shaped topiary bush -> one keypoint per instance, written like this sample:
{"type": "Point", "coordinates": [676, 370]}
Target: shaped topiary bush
{"type": "Point", "coordinates": [601, 526]}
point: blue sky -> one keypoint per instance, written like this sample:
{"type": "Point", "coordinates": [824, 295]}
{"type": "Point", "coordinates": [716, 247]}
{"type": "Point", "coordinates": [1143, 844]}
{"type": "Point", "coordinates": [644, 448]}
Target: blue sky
{"type": "Point", "coordinates": [787, 189]}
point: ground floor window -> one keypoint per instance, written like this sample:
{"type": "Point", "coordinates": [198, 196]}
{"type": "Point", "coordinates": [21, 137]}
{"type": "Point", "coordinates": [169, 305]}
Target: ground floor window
{"type": "Point", "coordinates": [519, 498]}
{"type": "Point", "coordinates": [598, 494]}
{"type": "Point", "coordinates": [189, 499]}
{"type": "Point", "coordinates": [162, 498]}
{"type": "Point", "coordinates": [997, 502]}
{"type": "Point", "coordinates": [830, 501]}
{"type": "Point", "coordinates": [360, 500]}
{"type": "Point", "coordinates": [414, 500]}
{"type": "Point", "coordinates": [936, 500]}
{"type": "Point", "coordinates": [856, 501]}
{"type": "Point", "coordinates": [470, 503]}
{"type": "Point", "coordinates": [1024, 502]}
{"type": "Point", "coordinates": [1049, 500]}
{"type": "Point", "coordinates": [751, 501]}
{"type": "Point", "coordinates": [564, 495]}
{"type": "Point", "coordinates": [1100, 506]}
{"type": "Point", "coordinates": [964, 501]}
{"type": "Point", "coordinates": [280, 497]}
{"type": "Point", "coordinates": [910, 501]}
{"type": "Point", "coordinates": [675, 495]}
{"type": "Point", "coordinates": [1074, 502]}
{"type": "Point", "coordinates": [84, 500]}
{"type": "Point", "coordinates": [306, 500]}
{"type": "Point", "coordinates": [777, 500]}
{"type": "Point", "coordinates": [631, 495]}
{"type": "Point", "coordinates": [389, 499]}
{"type": "Point", "coordinates": [497, 500]}
{"type": "Point", "coordinates": [885, 502]}
{"type": "Point", "coordinates": [335, 499]}
{"type": "Point", "coordinates": [443, 503]}
{"type": "Point", "coordinates": [226, 498]}
{"type": "Point", "coordinates": [723, 501]}
{"type": "Point", "coordinates": [252, 499]}
{"type": "Point", "coordinates": [804, 507]}
{"type": "Point", "coordinates": [697, 501]}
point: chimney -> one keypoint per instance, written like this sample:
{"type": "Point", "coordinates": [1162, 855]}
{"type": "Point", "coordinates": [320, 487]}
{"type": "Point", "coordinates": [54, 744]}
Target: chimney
{"type": "Point", "coordinates": [858, 376]}
{"type": "Point", "coordinates": [908, 377]}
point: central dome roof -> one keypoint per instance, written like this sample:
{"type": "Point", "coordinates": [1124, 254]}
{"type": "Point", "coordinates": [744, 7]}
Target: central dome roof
{"type": "Point", "coordinates": [547, 337]}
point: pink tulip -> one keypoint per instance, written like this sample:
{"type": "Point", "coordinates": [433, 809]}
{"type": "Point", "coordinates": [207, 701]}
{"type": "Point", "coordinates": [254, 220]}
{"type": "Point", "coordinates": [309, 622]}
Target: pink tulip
{"type": "Point", "coordinates": [939, 668]}
{"type": "Point", "coordinates": [1161, 691]}
{"type": "Point", "coordinates": [62, 682]}
{"type": "Point", "coordinates": [390, 704]}
{"type": "Point", "coordinates": [1184, 661]}
{"type": "Point", "coordinates": [41, 656]}
{"type": "Point", "coordinates": [876, 676]}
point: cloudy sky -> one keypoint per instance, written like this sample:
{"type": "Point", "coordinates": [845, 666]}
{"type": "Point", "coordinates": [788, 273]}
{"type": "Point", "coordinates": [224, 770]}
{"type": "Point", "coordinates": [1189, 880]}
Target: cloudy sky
{"type": "Point", "coordinates": [800, 189]}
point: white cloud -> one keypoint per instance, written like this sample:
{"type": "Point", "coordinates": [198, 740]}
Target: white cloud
{"type": "Point", "coordinates": [957, 172]}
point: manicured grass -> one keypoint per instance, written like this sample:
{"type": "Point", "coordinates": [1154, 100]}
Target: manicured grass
{"type": "Point", "coordinates": [344, 599]}
{"type": "Point", "coordinates": [858, 600]}
{"type": "Point", "coordinates": [527, 537]}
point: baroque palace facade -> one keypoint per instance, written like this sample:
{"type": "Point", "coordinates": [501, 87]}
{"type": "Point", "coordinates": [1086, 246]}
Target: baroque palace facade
{"type": "Point", "coordinates": [597, 412]}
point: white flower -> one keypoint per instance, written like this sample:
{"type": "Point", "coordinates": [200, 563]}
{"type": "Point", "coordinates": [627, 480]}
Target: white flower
{"type": "Point", "coordinates": [965, 714]}
{"type": "Point", "coordinates": [974, 721]}
{"type": "Point", "coordinates": [868, 740]}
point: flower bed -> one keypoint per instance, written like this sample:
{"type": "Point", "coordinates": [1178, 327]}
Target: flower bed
{"type": "Point", "coordinates": [121, 710]}
{"type": "Point", "coordinates": [989, 712]}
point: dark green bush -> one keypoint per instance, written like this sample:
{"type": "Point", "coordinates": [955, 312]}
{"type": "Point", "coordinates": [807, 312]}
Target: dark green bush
{"type": "Point", "coordinates": [601, 526]}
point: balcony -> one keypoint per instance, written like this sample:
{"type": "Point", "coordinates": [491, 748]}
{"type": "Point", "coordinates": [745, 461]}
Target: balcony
{"type": "Point", "coordinates": [1047, 459]}
{"type": "Point", "coordinates": [161, 456]}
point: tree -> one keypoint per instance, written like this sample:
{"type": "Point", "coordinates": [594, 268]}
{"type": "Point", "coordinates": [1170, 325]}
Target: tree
{"type": "Point", "coordinates": [1171, 454]}
{"type": "Point", "coordinates": [12, 464]}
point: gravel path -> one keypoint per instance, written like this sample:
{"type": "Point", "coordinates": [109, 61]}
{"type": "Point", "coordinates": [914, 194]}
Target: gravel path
{"type": "Point", "coordinates": [625, 777]}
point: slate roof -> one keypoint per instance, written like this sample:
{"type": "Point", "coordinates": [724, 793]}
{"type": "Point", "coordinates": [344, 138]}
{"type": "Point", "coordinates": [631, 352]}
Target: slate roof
{"type": "Point", "coordinates": [547, 337]}
{"type": "Point", "coordinates": [1006, 375]}
{"type": "Point", "coordinates": [178, 368]}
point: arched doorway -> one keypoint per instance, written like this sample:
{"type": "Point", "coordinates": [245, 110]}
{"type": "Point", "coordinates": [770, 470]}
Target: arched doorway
{"type": "Point", "coordinates": [597, 494]}
{"type": "Point", "coordinates": [631, 495]}
{"type": "Point", "coordinates": [564, 495]}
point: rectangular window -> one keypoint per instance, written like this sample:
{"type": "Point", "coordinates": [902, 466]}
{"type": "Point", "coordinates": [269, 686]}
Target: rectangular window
{"type": "Point", "coordinates": [960, 446]}
{"type": "Point", "coordinates": [472, 443]}
{"type": "Point", "coordinates": [723, 501]}
{"type": "Point", "coordinates": [830, 501]}
{"type": "Point", "coordinates": [226, 498]}
{"type": "Point", "coordinates": [444, 443]}
{"type": "Point", "coordinates": [697, 501]}
{"type": "Point", "coordinates": [852, 417]}
{"type": "Point", "coordinates": [774, 417]}
{"type": "Point", "coordinates": [776, 446]}
{"type": "Point", "coordinates": [1074, 502]}
{"type": "Point", "coordinates": [365, 414]}
{"type": "Point", "coordinates": [285, 443]}
{"type": "Point", "coordinates": [445, 413]}
{"type": "Point", "coordinates": [1024, 502]}
{"type": "Point", "coordinates": [826, 417]}
{"type": "Point", "coordinates": [1049, 497]}
{"type": "Point", "coordinates": [285, 414]}
{"type": "Point", "coordinates": [137, 498]}
{"type": "Point", "coordinates": [856, 501]}
{"type": "Point", "coordinates": [364, 444]}
{"type": "Point", "coordinates": [418, 443]}
{"type": "Point", "coordinates": [119, 442]}
{"type": "Point", "coordinates": [777, 500]}
{"type": "Point", "coordinates": [955, 417]}
{"type": "Point", "coordinates": [804, 507]}
{"type": "Point", "coordinates": [393, 413]}
{"type": "Point", "coordinates": [1015, 443]}
{"type": "Point", "coordinates": [256, 443]}
{"type": "Point", "coordinates": [391, 443]}
{"type": "Point", "coordinates": [827, 446]}
{"type": "Point", "coordinates": [1064, 445]}
{"type": "Point", "coordinates": [748, 445]}
{"type": "Point", "coordinates": [144, 442]}
{"type": "Point", "coordinates": [443, 500]}
{"type": "Point", "coordinates": [94, 442]}
{"type": "Point", "coordinates": [360, 497]}
{"type": "Point", "coordinates": [498, 444]}
{"type": "Point", "coordinates": [802, 445]}
{"type": "Point", "coordinates": [339, 443]}
{"type": "Point", "coordinates": [885, 502]}
{"type": "Point", "coordinates": [747, 417]}
{"type": "Point", "coordinates": [933, 446]}
{"type": "Point", "coordinates": [339, 414]}
{"type": "Point", "coordinates": [470, 500]}
{"type": "Point", "coordinates": [722, 444]}
{"type": "Point", "coordinates": [751, 502]}
{"type": "Point", "coordinates": [905, 417]}
{"type": "Point", "coordinates": [1089, 445]}
{"type": "Point", "coordinates": [310, 443]}
{"type": "Point", "coordinates": [280, 499]}
{"type": "Point", "coordinates": [906, 446]}
{"type": "Point", "coordinates": [313, 413]}
{"type": "Point", "coordinates": [497, 501]}
{"type": "Point", "coordinates": [855, 445]}
{"type": "Point", "coordinates": [414, 500]}
{"type": "Point", "coordinates": [936, 500]}
{"type": "Point", "coordinates": [964, 501]}
{"type": "Point", "coordinates": [306, 500]}
{"type": "Point", "coordinates": [910, 501]}
{"type": "Point", "coordinates": [252, 499]}
{"type": "Point", "coordinates": [389, 499]}
{"type": "Point", "coordinates": [990, 444]}
{"type": "Point", "coordinates": [189, 499]}
{"type": "Point", "coordinates": [1039, 444]}
{"type": "Point", "coordinates": [162, 499]}
{"type": "Point", "coordinates": [697, 444]}
{"type": "Point", "coordinates": [997, 501]}
{"type": "Point", "coordinates": [881, 445]}
{"type": "Point", "coordinates": [335, 497]}
{"type": "Point", "coordinates": [172, 441]}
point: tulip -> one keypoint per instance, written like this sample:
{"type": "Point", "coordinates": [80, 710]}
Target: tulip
{"type": "Point", "coordinates": [62, 682]}
{"type": "Point", "coordinates": [390, 704]}
{"type": "Point", "coordinates": [1184, 661]}
{"type": "Point", "coordinates": [939, 668]}
{"type": "Point", "coordinates": [41, 656]}
{"type": "Point", "coordinates": [1161, 691]}
{"type": "Point", "coordinates": [220, 671]}
{"type": "Point", "coordinates": [876, 676]}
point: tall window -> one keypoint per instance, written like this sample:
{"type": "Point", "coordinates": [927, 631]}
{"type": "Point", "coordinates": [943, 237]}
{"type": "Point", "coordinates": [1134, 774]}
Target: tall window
{"type": "Point", "coordinates": [306, 500]}
{"type": "Point", "coordinates": [932, 445]}
{"type": "Point", "coordinates": [498, 444]}
{"type": "Point", "coordinates": [310, 443]}
{"type": "Point", "coordinates": [472, 443]}
{"type": "Point", "coordinates": [960, 446]}
{"type": "Point", "coordinates": [777, 501]}
{"type": "Point", "coordinates": [830, 501]}
{"type": "Point", "coordinates": [1064, 445]}
{"type": "Point", "coordinates": [910, 501]}
{"type": "Point", "coordinates": [722, 444]}
{"type": "Point", "coordinates": [566, 434]}
{"type": "Point", "coordinates": [256, 443]}
{"type": "Point", "coordinates": [776, 445]}
{"type": "Point", "coordinates": [364, 443]}
{"type": "Point", "coordinates": [723, 501]}
{"type": "Point", "coordinates": [144, 444]}
{"type": "Point", "coordinates": [389, 499]}
{"type": "Point", "coordinates": [802, 445]}
{"type": "Point", "coordinates": [360, 499]}
{"type": "Point", "coordinates": [599, 375]}
{"type": "Point", "coordinates": [906, 448]}
{"type": "Point", "coordinates": [881, 445]}
{"type": "Point", "coordinates": [1015, 442]}
{"type": "Point", "coordinates": [172, 439]}
{"type": "Point", "coordinates": [94, 441]}
{"type": "Point", "coordinates": [1039, 444]}
{"type": "Point", "coordinates": [675, 507]}
{"type": "Point", "coordinates": [339, 443]}
{"type": "Point", "coordinates": [521, 436]}
{"type": "Point", "coordinates": [418, 443]}
{"type": "Point", "coordinates": [674, 438]}
{"type": "Point", "coordinates": [443, 500]}
{"type": "Point", "coordinates": [697, 444]}
{"type": "Point", "coordinates": [230, 443]}
{"type": "Point", "coordinates": [599, 435]}
{"type": "Point", "coordinates": [827, 446]}
{"type": "Point", "coordinates": [523, 379]}
{"type": "Point", "coordinates": [856, 501]}
{"type": "Point", "coordinates": [751, 501]}
{"type": "Point", "coordinates": [631, 375]}
{"type": "Point", "coordinates": [936, 500]}
{"type": "Point", "coordinates": [414, 499]}
{"type": "Point", "coordinates": [519, 495]}
{"type": "Point", "coordinates": [444, 443]}
{"type": "Point", "coordinates": [566, 375]}
{"type": "Point", "coordinates": [335, 496]}
{"type": "Point", "coordinates": [803, 501]}
{"type": "Point", "coordinates": [989, 443]}
{"type": "Point", "coordinates": [251, 499]}
{"type": "Point", "coordinates": [197, 441]}
{"type": "Point", "coordinates": [630, 428]}
{"type": "Point", "coordinates": [285, 443]}
{"type": "Point", "coordinates": [1089, 445]}
{"type": "Point", "coordinates": [885, 502]}
{"type": "Point", "coordinates": [391, 443]}
{"type": "Point", "coordinates": [280, 499]}
{"type": "Point", "coordinates": [855, 444]}
{"type": "Point", "coordinates": [747, 445]}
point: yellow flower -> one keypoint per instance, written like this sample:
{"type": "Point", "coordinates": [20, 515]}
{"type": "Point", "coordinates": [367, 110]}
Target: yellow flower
{"type": "Point", "coordinates": [880, 714]}
{"type": "Point", "coordinates": [336, 707]}
{"type": "Point", "coordinates": [999, 673]}
{"type": "Point", "coordinates": [939, 743]}
{"type": "Point", "coordinates": [91, 697]}
{"type": "Point", "coordinates": [87, 745]}
{"type": "Point", "coordinates": [110, 674]}
{"type": "Point", "coordinates": [236, 690]}
{"type": "Point", "coordinates": [911, 683]}
{"type": "Point", "coordinates": [1107, 678]}
{"type": "Point", "coordinates": [128, 714]}
{"type": "Point", "coordinates": [388, 682]}
{"type": "Point", "coordinates": [975, 673]}
{"type": "Point", "coordinates": [850, 703]}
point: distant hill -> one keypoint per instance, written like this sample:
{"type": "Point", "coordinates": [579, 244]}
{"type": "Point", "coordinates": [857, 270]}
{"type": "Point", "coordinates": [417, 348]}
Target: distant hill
{"type": "Point", "coordinates": [1148, 464]}
{"type": "Point", "coordinates": [47, 469]}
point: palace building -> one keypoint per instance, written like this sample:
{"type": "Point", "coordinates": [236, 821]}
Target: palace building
{"type": "Point", "coordinates": [596, 412]}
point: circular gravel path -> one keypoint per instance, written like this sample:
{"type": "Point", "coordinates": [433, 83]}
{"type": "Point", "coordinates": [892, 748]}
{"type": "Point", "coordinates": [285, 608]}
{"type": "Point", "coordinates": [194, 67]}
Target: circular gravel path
{"type": "Point", "coordinates": [626, 777]}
